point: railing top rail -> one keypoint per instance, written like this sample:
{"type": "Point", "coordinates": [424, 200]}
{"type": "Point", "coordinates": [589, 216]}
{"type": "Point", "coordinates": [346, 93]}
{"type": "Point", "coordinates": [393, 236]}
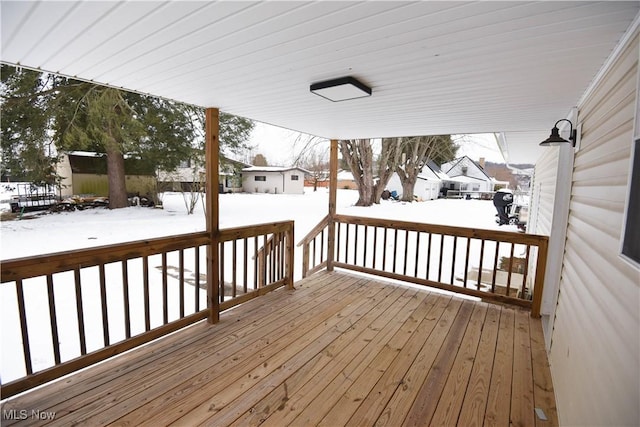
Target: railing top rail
{"type": "Point", "coordinates": [234, 233]}
{"type": "Point", "coordinates": [314, 231]}
{"type": "Point", "coordinates": [23, 268]}
{"type": "Point", "coordinates": [474, 233]}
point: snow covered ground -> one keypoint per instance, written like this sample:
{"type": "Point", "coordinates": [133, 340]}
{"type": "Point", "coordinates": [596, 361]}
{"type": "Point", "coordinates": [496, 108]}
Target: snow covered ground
{"type": "Point", "coordinates": [49, 233]}
{"type": "Point", "coordinates": [46, 233]}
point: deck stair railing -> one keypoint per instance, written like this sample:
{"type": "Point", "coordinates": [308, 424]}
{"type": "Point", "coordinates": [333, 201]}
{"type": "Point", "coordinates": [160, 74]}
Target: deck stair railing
{"type": "Point", "coordinates": [66, 311]}
{"type": "Point", "coordinates": [494, 265]}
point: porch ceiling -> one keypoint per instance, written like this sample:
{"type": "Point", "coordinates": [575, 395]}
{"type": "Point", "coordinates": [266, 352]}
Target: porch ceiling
{"type": "Point", "coordinates": [435, 67]}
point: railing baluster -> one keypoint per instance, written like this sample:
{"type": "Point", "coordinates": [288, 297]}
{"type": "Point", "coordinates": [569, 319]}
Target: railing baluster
{"type": "Point", "coordinates": [428, 256]}
{"type": "Point", "coordinates": [103, 302]}
{"type": "Point", "coordinates": [245, 284]}
{"type": "Point", "coordinates": [272, 258]}
{"type": "Point", "coordinates": [415, 271]}
{"type": "Point", "coordinates": [395, 249]}
{"type": "Point", "coordinates": [165, 290]}
{"type": "Point", "coordinates": [222, 271]}
{"type": "Point", "coordinates": [441, 257]}
{"type": "Point", "coordinates": [197, 278]}
{"type": "Point", "coordinates": [375, 245]}
{"type": "Point", "coordinates": [26, 348]}
{"type": "Point", "coordinates": [256, 273]}
{"type": "Point", "coordinates": [480, 267]}
{"type": "Point", "coordinates": [145, 283]}
{"type": "Point", "coordinates": [384, 250]}
{"type": "Point", "coordinates": [53, 319]}
{"type": "Point", "coordinates": [406, 251]}
{"type": "Point", "coordinates": [181, 274]}
{"type": "Point", "coordinates": [364, 257]}
{"type": "Point", "coordinates": [495, 268]}
{"type": "Point", "coordinates": [234, 268]}
{"type": "Point", "coordinates": [453, 261]}
{"type": "Point", "coordinates": [322, 246]}
{"type": "Point", "coordinates": [313, 251]}
{"type": "Point", "coordinates": [346, 244]}
{"type": "Point", "coordinates": [526, 270]}
{"type": "Point", "coordinates": [466, 262]}
{"type": "Point", "coordinates": [510, 269]}
{"type": "Point", "coordinates": [125, 297]}
{"type": "Point", "coordinates": [355, 245]}
{"type": "Point", "coordinates": [338, 233]}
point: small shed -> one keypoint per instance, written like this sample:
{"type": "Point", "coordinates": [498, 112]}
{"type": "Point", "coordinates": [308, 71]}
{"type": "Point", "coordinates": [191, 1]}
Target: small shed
{"type": "Point", "coordinates": [273, 179]}
{"type": "Point", "coordinates": [427, 185]}
{"type": "Point", "coordinates": [86, 173]}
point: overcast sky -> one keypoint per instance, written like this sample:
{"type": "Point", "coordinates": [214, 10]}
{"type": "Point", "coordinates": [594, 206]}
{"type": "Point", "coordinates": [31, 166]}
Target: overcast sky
{"type": "Point", "coordinates": [279, 145]}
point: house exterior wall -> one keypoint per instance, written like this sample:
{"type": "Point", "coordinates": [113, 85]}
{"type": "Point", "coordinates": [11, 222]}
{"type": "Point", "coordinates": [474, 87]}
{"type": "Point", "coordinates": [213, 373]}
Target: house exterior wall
{"type": "Point", "coordinates": [276, 182]}
{"type": "Point", "coordinates": [98, 185]}
{"type": "Point", "coordinates": [595, 345]}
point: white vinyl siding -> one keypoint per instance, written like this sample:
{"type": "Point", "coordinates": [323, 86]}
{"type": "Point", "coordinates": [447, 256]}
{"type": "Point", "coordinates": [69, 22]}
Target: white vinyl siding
{"type": "Point", "coordinates": [594, 355]}
{"type": "Point", "coordinates": [543, 189]}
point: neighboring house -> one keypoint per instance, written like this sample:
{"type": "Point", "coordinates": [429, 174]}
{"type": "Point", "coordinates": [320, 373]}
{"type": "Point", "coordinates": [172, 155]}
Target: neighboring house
{"type": "Point", "coordinates": [190, 173]}
{"type": "Point", "coordinates": [427, 185]}
{"type": "Point", "coordinates": [467, 176]}
{"type": "Point", "coordinates": [273, 179]}
{"type": "Point", "coordinates": [346, 180]}
{"type": "Point", "coordinates": [582, 199]}
{"type": "Point", "coordinates": [85, 173]}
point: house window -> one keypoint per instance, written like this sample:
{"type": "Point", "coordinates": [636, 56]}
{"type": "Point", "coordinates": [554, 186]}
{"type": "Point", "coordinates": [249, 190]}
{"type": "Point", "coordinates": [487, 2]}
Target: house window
{"type": "Point", "coordinates": [476, 187]}
{"type": "Point", "coordinates": [631, 238]}
{"type": "Point", "coordinates": [294, 177]}
{"type": "Point", "coordinates": [260, 178]}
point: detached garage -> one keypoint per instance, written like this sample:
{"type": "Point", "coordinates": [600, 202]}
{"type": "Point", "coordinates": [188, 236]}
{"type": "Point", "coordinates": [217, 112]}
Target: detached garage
{"type": "Point", "coordinates": [273, 179]}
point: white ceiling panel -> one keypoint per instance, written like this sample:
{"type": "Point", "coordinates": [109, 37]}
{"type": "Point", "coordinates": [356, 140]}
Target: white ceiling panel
{"type": "Point", "coordinates": [434, 67]}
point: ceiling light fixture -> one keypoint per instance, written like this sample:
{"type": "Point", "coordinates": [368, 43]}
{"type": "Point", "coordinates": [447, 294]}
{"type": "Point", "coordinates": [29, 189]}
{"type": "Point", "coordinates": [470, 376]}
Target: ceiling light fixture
{"type": "Point", "coordinates": [556, 139]}
{"type": "Point", "coordinates": [341, 89]}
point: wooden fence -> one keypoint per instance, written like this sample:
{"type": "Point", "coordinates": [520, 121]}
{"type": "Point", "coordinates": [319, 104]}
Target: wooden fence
{"type": "Point", "coordinates": [73, 309]}
{"type": "Point", "coordinates": [493, 265]}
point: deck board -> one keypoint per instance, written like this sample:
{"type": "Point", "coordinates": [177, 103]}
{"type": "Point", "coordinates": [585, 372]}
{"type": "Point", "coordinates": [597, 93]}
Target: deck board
{"type": "Point", "coordinates": [341, 349]}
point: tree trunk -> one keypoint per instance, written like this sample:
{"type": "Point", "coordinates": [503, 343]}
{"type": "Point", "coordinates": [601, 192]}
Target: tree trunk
{"type": "Point", "coordinates": [408, 186]}
{"type": "Point", "coordinates": [359, 156]}
{"type": "Point", "coordinates": [116, 179]}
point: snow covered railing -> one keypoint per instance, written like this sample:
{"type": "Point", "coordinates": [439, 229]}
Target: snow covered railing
{"type": "Point", "coordinates": [73, 309]}
{"type": "Point", "coordinates": [493, 265]}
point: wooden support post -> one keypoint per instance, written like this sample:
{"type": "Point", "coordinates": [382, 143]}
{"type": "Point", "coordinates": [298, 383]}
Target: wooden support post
{"type": "Point", "coordinates": [333, 188]}
{"type": "Point", "coordinates": [212, 153]}
{"type": "Point", "coordinates": [538, 286]}
{"type": "Point", "coordinates": [290, 249]}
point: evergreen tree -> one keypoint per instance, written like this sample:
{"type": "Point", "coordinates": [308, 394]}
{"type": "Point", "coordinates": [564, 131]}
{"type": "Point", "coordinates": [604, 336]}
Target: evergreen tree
{"type": "Point", "coordinates": [77, 115]}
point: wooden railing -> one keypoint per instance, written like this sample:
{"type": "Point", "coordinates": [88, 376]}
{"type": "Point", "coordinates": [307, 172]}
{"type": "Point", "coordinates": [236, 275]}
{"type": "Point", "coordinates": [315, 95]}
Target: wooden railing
{"type": "Point", "coordinates": [66, 311]}
{"type": "Point", "coordinates": [254, 260]}
{"type": "Point", "coordinates": [493, 265]}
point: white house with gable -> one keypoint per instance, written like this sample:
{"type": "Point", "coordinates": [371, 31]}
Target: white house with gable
{"type": "Point", "coordinates": [467, 176]}
{"type": "Point", "coordinates": [273, 179]}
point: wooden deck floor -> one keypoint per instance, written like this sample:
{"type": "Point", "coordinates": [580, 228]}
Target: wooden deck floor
{"type": "Point", "coordinates": [339, 350]}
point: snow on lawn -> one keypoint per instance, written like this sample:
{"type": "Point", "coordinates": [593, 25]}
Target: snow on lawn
{"type": "Point", "coordinates": [39, 234]}
{"type": "Point", "coordinates": [48, 233]}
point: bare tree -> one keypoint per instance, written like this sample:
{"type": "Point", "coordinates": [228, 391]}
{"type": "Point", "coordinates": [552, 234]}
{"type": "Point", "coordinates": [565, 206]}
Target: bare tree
{"type": "Point", "coordinates": [358, 154]}
{"type": "Point", "coordinates": [415, 152]}
{"type": "Point", "coordinates": [311, 153]}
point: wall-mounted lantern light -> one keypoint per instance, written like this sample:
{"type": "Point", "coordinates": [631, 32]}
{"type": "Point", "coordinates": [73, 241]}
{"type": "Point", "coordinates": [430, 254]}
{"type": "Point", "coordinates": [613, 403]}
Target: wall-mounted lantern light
{"type": "Point", "coordinates": [556, 139]}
